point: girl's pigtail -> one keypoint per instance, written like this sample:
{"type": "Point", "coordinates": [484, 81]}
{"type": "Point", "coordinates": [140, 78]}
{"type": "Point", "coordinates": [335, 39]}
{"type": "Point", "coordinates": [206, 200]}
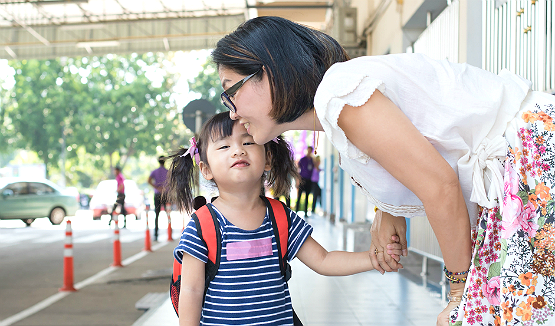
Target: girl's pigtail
{"type": "Point", "coordinates": [283, 167]}
{"type": "Point", "coordinates": [180, 181]}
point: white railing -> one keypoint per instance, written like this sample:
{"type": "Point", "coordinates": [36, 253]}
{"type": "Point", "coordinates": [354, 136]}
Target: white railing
{"type": "Point", "coordinates": [440, 40]}
{"type": "Point", "coordinates": [518, 35]}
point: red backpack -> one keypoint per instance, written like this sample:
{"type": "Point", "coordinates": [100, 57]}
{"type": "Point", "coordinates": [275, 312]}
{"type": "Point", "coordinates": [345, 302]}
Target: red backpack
{"type": "Point", "coordinates": [208, 229]}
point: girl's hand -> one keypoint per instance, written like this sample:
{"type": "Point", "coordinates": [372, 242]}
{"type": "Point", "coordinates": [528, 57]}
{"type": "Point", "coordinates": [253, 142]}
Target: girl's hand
{"type": "Point", "coordinates": [395, 249]}
{"type": "Point", "coordinates": [385, 230]}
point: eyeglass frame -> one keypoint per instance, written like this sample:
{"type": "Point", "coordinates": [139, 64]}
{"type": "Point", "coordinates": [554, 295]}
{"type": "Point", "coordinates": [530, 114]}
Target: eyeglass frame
{"type": "Point", "coordinates": [230, 92]}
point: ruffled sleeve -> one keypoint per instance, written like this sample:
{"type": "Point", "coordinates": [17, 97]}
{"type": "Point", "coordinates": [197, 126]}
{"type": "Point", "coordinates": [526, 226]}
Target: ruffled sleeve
{"type": "Point", "coordinates": [337, 89]}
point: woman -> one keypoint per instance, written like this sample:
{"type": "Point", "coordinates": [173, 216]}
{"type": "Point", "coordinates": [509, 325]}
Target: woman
{"type": "Point", "coordinates": [419, 137]}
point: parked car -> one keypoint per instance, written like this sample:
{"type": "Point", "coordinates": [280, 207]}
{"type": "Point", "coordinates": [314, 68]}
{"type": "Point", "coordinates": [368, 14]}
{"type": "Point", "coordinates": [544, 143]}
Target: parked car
{"type": "Point", "coordinates": [105, 195]}
{"type": "Point", "coordinates": [28, 199]}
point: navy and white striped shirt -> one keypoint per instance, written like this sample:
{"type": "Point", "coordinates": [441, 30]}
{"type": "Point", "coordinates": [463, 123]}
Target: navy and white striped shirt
{"type": "Point", "coordinates": [249, 288]}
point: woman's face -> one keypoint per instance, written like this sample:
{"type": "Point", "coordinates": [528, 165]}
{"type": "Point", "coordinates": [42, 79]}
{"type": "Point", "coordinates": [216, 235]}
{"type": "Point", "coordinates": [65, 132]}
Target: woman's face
{"type": "Point", "coordinates": [253, 102]}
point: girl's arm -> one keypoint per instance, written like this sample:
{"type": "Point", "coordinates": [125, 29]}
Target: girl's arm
{"type": "Point", "coordinates": [192, 291]}
{"type": "Point", "coordinates": [382, 131]}
{"type": "Point", "coordinates": [337, 263]}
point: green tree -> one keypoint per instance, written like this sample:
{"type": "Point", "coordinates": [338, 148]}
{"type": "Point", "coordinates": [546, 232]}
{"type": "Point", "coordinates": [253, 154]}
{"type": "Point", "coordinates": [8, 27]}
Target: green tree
{"type": "Point", "coordinates": [38, 112]}
{"type": "Point", "coordinates": [89, 112]}
{"type": "Point", "coordinates": [207, 83]}
{"type": "Point", "coordinates": [127, 114]}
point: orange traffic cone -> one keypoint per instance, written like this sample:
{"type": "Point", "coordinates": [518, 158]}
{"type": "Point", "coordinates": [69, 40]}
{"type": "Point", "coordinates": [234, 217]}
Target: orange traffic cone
{"type": "Point", "coordinates": [68, 260]}
{"type": "Point", "coordinates": [147, 235]}
{"type": "Point", "coordinates": [170, 238]}
{"type": "Point", "coordinates": [117, 246]}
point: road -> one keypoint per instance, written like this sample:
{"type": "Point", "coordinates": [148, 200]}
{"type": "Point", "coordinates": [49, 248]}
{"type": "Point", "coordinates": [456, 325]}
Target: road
{"type": "Point", "coordinates": [31, 258]}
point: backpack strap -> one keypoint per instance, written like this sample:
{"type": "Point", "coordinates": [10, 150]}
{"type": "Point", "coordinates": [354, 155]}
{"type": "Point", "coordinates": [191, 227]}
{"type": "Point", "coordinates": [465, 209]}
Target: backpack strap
{"type": "Point", "coordinates": [208, 229]}
{"type": "Point", "coordinates": [280, 223]}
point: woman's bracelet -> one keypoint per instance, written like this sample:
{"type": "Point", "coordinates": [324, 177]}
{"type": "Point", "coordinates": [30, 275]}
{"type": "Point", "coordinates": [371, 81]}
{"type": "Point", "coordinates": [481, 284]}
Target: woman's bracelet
{"type": "Point", "coordinates": [453, 298]}
{"type": "Point", "coordinates": [451, 276]}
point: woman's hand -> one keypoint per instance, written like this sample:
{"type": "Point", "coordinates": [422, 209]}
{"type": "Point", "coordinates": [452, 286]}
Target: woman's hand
{"type": "Point", "coordinates": [457, 291]}
{"type": "Point", "coordinates": [443, 317]}
{"type": "Point", "coordinates": [387, 229]}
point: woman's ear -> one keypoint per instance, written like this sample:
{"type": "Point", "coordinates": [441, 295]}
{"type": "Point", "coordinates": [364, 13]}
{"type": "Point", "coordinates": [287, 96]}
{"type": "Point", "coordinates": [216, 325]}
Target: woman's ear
{"type": "Point", "coordinates": [205, 170]}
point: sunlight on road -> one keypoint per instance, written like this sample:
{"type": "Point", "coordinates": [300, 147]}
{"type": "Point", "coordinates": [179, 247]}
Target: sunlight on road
{"type": "Point", "coordinates": [83, 221]}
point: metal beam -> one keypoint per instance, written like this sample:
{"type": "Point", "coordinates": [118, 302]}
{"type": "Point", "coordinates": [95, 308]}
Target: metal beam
{"type": "Point", "coordinates": [28, 29]}
{"type": "Point", "coordinates": [289, 7]}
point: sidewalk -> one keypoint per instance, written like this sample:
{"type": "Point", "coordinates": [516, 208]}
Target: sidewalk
{"type": "Point", "coordinates": [364, 299]}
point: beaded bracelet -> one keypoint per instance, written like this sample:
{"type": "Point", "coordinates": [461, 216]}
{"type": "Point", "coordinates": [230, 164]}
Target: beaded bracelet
{"type": "Point", "coordinates": [453, 279]}
{"type": "Point", "coordinates": [451, 276]}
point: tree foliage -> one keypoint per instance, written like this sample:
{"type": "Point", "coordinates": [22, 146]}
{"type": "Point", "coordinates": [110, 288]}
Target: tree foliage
{"type": "Point", "coordinates": [101, 109]}
{"type": "Point", "coordinates": [207, 83]}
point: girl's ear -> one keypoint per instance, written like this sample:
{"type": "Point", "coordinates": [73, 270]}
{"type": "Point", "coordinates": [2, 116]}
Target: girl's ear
{"type": "Point", "coordinates": [205, 170]}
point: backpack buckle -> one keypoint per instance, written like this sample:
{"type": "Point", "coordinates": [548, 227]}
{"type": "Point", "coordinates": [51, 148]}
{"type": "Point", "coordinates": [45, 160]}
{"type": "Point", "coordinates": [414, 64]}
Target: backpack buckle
{"type": "Point", "coordinates": [288, 272]}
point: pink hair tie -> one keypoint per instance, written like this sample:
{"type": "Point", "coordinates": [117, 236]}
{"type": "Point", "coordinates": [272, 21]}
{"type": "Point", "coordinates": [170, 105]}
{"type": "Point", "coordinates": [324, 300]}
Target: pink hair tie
{"type": "Point", "coordinates": [193, 151]}
{"type": "Point", "coordinates": [275, 140]}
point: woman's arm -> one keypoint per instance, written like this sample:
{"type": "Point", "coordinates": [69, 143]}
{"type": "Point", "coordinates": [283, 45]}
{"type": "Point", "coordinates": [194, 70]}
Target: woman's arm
{"type": "Point", "coordinates": [192, 291]}
{"type": "Point", "coordinates": [337, 263]}
{"type": "Point", "coordinates": [389, 137]}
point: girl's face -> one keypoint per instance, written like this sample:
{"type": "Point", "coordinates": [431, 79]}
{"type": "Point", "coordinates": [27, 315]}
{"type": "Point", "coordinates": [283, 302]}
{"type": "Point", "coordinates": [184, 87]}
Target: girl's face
{"type": "Point", "coordinates": [253, 102]}
{"type": "Point", "coordinates": [235, 160]}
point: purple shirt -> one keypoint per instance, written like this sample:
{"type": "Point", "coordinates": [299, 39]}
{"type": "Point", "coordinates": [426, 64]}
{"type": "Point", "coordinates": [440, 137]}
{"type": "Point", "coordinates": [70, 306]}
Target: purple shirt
{"type": "Point", "coordinates": [119, 180]}
{"type": "Point", "coordinates": [315, 175]}
{"type": "Point", "coordinates": [159, 175]}
{"type": "Point", "coordinates": [306, 166]}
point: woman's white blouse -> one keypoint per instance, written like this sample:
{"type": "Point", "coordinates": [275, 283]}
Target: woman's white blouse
{"type": "Point", "coordinates": [462, 110]}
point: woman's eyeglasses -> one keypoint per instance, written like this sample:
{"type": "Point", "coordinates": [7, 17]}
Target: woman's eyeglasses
{"type": "Point", "coordinates": [230, 92]}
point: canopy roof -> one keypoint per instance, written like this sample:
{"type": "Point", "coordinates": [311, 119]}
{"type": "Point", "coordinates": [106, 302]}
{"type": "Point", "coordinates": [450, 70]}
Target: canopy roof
{"type": "Point", "coordinates": [54, 28]}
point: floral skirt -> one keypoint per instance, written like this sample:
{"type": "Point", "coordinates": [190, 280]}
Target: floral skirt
{"type": "Point", "coordinates": [512, 274]}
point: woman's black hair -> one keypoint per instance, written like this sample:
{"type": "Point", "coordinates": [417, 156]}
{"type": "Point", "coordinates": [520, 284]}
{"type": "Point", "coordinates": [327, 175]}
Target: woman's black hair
{"type": "Point", "coordinates": [294, 56]}
{"type": "Point", "coordinates": [181, 174]}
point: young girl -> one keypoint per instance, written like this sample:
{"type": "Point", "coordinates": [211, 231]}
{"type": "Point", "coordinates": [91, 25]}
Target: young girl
{"type": "Point", "coordinates": [245, 291]}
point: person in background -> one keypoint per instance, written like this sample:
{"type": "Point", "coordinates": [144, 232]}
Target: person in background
{"type": "Point", "coordinates": [157, 180]}
{"type": "Point", "coordinates": [120, 200]}
{"type": "Point", "coordinates": [316, 191]}
{"type": "Point", "coordinates": [305, 185]}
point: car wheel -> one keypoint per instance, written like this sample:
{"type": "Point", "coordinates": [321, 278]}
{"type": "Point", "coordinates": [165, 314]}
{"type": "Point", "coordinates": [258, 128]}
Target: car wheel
{"type": "Point", "coordinates": [28, 221]}
{"type": "Point", "coordinates": [57, 215]}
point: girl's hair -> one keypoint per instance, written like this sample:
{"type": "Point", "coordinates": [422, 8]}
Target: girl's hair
{"type": "Point", "coordinates": [294, 56]}
{"type": "Point", "coordinates": [181, 175]}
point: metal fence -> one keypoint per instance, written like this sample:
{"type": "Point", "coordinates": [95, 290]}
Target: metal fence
{"type": "Point", "coordinates": [518, 35]}
{"type": "Point", "coordinates": [440, 40]}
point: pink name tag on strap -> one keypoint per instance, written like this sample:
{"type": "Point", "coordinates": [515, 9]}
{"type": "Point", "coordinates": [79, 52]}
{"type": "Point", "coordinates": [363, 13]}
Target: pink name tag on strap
{"type": "Point", "coordinates": [249, 249]}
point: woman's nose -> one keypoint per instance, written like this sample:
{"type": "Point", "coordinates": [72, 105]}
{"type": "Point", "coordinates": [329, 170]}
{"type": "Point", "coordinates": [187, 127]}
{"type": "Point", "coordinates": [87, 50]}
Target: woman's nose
{"type": "Point", "coordinates": [233, 115]}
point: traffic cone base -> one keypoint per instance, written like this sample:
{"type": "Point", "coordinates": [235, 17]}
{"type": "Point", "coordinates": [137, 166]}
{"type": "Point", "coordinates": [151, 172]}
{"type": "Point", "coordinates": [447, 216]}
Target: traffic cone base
{"type": "Point", "coordinates": [147, 240]}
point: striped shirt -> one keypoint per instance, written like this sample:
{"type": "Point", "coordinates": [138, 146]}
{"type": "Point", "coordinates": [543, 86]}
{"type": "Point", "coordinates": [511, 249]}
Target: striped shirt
{"type": "Point", "coordinates": [248, 288]}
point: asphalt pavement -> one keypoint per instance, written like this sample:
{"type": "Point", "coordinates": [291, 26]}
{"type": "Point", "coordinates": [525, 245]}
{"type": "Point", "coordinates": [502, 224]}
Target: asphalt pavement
{"type": "Point", "coordinates": [109, 297]}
